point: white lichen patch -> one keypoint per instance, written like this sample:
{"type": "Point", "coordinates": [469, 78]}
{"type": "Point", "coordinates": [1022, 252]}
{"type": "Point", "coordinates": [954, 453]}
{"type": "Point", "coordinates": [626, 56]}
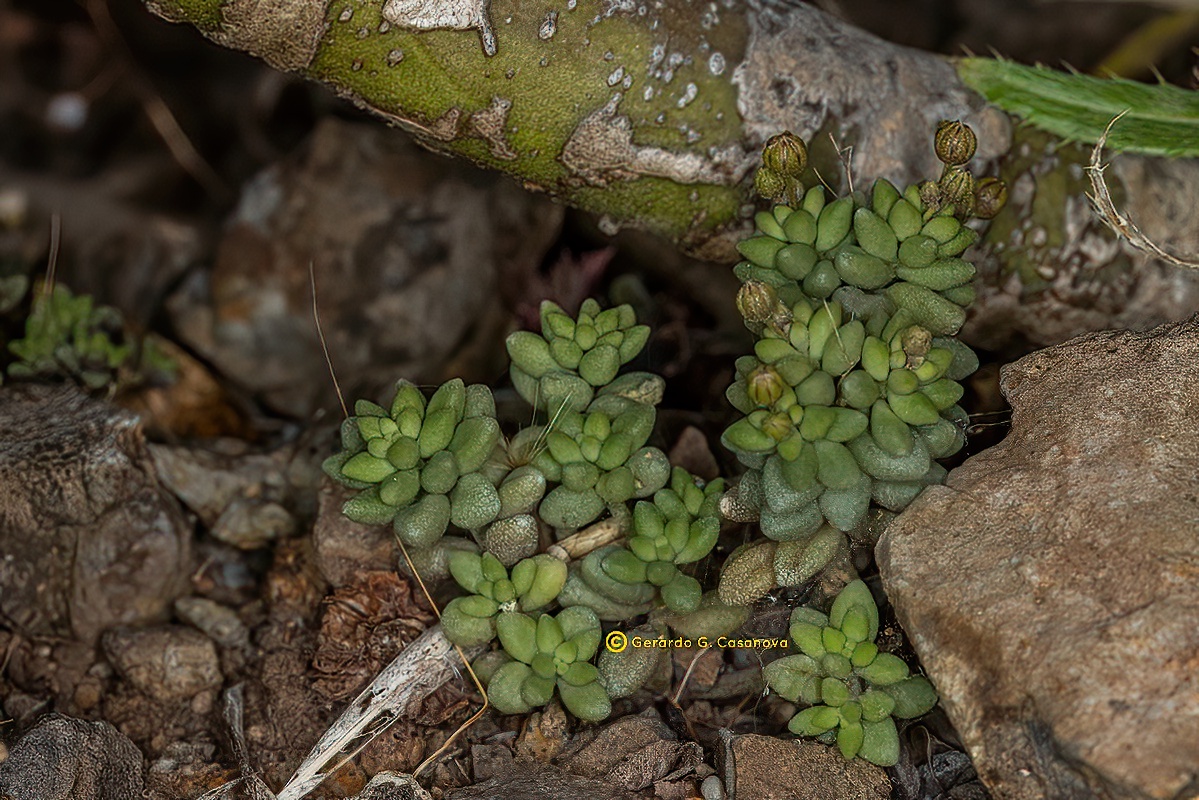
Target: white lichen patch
{"type": "Point", "coordinates": [489, 125]}
{"type": "Point", "coordinates": [601, 150]}
{"type": "Point", "coordinates": [455, 15]}
{"type": "Point", "coordinates": [689, 95]}
{"type": "Point", "coordinates": [549, 26]}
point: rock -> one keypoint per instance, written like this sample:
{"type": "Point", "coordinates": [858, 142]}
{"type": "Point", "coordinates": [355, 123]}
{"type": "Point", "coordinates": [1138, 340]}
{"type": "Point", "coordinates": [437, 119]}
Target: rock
{"type": "Point", "coordinates": [766, 768]}
{"type": "Point", "coordinates": [89, 536]}
{"type": "Point", "coordinates": [227, 487]}
{"type": "Point", "coordinates": [542, 782]}
{"type": "Point", "coordinates": [1050, 586]}
{"type": "Point", "coordinates": [490, 760]}
{"type": "Point", "coordinates": [166, 663]}
{"type": "Point", "coordinates": [344, 547]}
{"type": "Point", "coordinates": [250, 523]}
{"type": "Point", "coordinates": [392, 786]}
{"type": "Point", "coordinates": [634, 753]}
{"type": "Point", "coordinates": [407, 253]}
{"type": "Point", "coordinates": [218, 622]}
{"type": "Point", "coordinates": [72, 759]}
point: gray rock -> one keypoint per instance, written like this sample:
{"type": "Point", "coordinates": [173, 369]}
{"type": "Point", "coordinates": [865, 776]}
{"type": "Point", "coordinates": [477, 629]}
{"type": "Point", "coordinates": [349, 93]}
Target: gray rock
{"type": "Point", "coordinates": [210, 482]}
{"type": "Point", "coordinates": [542, 782]}
{"type": "Point", "coordinates": [1050, 587]}
{"type": "Point", "coordinates": [72, 759]}
{"type": "Point", "coordinates": [220, 623]}
{"type": "Point", "coordinates": [250, 523]}
{"type": "Point", "coordinates": [765, 768]}
{"type": "Point", "coordinates": [392, 786]}
{"type": "Point", "coordinates": [89, 538]}
{"type": "Point", "coordinates": [167, 663]}
{"type": "Point", "coordinates": [407, 251]}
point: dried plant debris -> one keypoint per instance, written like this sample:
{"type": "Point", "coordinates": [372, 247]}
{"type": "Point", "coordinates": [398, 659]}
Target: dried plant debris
{"type": "Point", "coordinates": [1105, 207]}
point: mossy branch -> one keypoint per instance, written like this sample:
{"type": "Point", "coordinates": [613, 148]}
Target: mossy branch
{"type": "Point", "coordinates": [651, 116]}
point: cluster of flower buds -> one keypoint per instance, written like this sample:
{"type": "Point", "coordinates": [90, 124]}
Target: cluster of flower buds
{"type": "Point", "coordinates": [852, 390]}
{"type": "Point", "coordinates": [957, 192]}
{"type": "Point", "coordinates": [784, 159]}
{"type": "Point", "coordinates": [853, 691]}
{"type": "Point", "coordinates": [544, 654]}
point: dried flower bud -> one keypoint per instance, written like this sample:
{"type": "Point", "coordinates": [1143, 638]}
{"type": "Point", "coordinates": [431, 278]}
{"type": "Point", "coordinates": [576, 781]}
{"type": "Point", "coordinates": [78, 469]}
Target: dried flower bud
{"type": "Point", "coordinates": [769, 184]}
{"type": "Point", "coordinates": [916, 342]}
{"type": "Point", "coordinates": [930, 195]}
{"type": "Point", "coordinates": [990, 196]}
{"type": "Point", "coordinates": [757, 301]}
{"type": "Point", "coordinates": [957, 189]}
{"type": "Point", "coordinates": [777, 426]}
{"type": "Point", "coordinates": [785, 154]}
{"type": "Point", "coordinates": [764, 385]}
{"type": "Point", "coordinates": [955, 143]}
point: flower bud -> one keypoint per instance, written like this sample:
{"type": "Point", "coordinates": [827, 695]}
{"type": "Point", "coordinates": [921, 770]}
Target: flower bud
{"type": "Point", "coordinates": [990, 196]}
{"type": "Point", "coordinates": [957, 189]}
{"type": "Point", "coordinates": [916, 342]}
{"type": "Point", "coordinates": [777, 426]}
{"type": "Point", "coordinates": [757, 301]}
{"type": "Point", "coordinates": [764, 385]}
{"type": "Point", "coordinates": [954, 142]}
{"type": "Point", "coordinates": [769, 184]}
{"type": "Point", "coordinates": [785, 154]}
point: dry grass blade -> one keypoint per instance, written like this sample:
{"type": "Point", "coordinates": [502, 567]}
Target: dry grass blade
{"type": "Point", "coordinates": [1101, 199]}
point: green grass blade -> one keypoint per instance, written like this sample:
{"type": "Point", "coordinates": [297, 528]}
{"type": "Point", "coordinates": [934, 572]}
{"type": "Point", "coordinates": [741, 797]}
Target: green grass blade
{"type": "Point", "coordinates": [1162, 120]}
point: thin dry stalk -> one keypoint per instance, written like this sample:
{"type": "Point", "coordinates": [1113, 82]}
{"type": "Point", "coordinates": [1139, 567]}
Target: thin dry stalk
{"type": "Point", "coordinates": [577, 545]}
{"type": "Point", "coordinates": [1101, 200]}
{"type": "Point", "coordinates": [423, 667]}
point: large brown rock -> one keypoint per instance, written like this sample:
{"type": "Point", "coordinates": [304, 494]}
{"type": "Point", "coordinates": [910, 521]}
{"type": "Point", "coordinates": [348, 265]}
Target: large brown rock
{"type": "Point", "coordinates": [88, 537]}
{"type": "Point", "coordinates": [410, 254]}
{"type": "Point", "coordinates": [1050, 587]}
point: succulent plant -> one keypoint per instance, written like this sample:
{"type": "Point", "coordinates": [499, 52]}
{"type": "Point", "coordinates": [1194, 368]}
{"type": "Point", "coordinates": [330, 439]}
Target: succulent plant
{"type": "Point", "coordinates": [68, 335]}
{"type": "Point", "coordinates": [853, 691]}
{"type": "Point", "coordinates": [547, 653]}
{"type": "Point", "coordinates": [851, 393]}
{"type": "Point", "coordinates": [680, 526]}
{"type": "Point", "coordinates": [562, 367]}
{"type": "Point", "coordinates": [418, 464]}
{"type": "Point", "coordinates": [594, 445]}
{"type": "Point", "coordinates": [534, 583]}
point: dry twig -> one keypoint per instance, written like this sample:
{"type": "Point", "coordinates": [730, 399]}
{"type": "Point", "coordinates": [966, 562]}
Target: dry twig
{"type": "Point", "coordinates": [1101, 200]}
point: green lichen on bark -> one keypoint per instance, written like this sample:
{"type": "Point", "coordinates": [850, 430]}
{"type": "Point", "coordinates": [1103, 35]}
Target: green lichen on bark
{"type": "Point", "coordinates": [595, 104]}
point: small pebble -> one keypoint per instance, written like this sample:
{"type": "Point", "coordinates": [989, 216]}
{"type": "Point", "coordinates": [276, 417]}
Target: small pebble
{"type": "Point", "coordinates": [712, 788]}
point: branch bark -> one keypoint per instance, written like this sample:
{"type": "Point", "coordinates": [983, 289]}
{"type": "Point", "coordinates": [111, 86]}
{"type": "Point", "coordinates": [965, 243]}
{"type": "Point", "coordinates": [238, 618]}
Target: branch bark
{"type": "Point", "coordinates": [651, 115]}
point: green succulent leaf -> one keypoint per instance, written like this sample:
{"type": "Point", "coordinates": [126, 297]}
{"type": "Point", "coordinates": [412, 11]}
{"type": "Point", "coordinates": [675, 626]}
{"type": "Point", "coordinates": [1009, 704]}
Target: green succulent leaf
{"type": "Point", "coordinates": [505, 689]}
{"type": "Point", "coordinates": [518, 635]}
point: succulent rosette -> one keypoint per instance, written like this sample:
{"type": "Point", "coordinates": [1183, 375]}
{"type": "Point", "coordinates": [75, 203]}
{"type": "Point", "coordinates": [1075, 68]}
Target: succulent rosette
{"type": "Point", "coordinates": [547, 654]}
{"type": "Point", "coordinates": [853, 692]}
